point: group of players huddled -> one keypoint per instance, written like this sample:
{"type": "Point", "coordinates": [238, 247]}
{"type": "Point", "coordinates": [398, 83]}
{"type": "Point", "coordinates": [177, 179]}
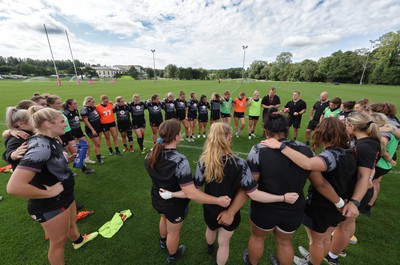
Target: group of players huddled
{"type": "Point", "coordinates": [375, 153]}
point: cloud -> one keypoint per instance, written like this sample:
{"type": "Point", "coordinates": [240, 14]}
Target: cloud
{"type": "Point", "coordinates": [207, 34]}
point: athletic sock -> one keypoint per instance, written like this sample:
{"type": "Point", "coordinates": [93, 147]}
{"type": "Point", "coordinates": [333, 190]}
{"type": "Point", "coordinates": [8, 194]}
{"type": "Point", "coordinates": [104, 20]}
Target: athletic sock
{"type": "Point", "coordinates": [98, 157]}
{"type": "Point", "coordinates": [79, 240]}
{"type": "Point", "coordinates": [294, 138]}
{"type": "Point", "coordinates": [110, 149]}
{"type": "Point", "coordinates": [125, 146]}
{"type": "Point", "coordinates": [367, 207]}
{"type": "Point", "coordinates": [307, 142]}
{"type": "Point", "coordinates": [249, 134]}
{"type": "Point", "coordinates": [140, 142]}
{"type": "Point", "coordinates": [116, 149]}
{"type": "Point", "coordinates": [333, 256]}
{"type": "Point", "coordinates": [83, 168]}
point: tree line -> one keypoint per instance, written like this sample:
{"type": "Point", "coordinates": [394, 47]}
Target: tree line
{"type": "Point", "coordinates": [379, 64]}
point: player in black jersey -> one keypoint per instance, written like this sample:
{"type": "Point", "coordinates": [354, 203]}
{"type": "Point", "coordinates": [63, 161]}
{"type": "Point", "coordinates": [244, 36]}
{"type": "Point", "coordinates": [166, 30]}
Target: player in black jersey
{"type": "Point", "coordinates": [43, 177]}
{"type": "Point", "coordinates": [91, 119]}
{"type": "Point", "coordinates": [215, 106]}
{"type": "Point", "coordinates": [70, 110]}
{"type": "Point", "coordinates": [181, 107]}
{"type": "Point", "coordinates": [295, 109]}
{"type": "Point", "coordinates": [224, 173]}
{"type": "Point", "coordinates": [155, 116]}
{"type": "Point", "coordinates": [347, 108]}
{"type": "Point", "coordinates": [170, 170]}
{"type": "Point", "coordinates": [193, 104]}
{"type": "Point", "coordinates": [277, 175]}
{"type": "Point", "coordinates": [338, 166]}
{"type": "Point", "coordinates": [122, 112]}
{"type": "Point", "coordinates": [271, 100]}
{"type": "Point", "coordinates": [138, 121]}
{"type": "Point", "coordinates": [168, 104]}
{"type": "Point", "coordinates": [315, 114]}
{"type": "Point", "coordinates": [203, 108]}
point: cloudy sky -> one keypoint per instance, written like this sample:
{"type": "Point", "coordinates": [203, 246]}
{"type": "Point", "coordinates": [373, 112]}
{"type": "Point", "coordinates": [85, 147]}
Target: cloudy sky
{"type": "Point", "coordinates": [203, 33]}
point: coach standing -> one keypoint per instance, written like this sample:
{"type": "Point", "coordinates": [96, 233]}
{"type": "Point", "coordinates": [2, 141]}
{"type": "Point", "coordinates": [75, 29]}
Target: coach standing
{"type": "Point", "coordinates": [270, 101]}
{"type": "Point", "coordinates": [316, 113]}
{"type": "Point", "coordinates": [295, 109]}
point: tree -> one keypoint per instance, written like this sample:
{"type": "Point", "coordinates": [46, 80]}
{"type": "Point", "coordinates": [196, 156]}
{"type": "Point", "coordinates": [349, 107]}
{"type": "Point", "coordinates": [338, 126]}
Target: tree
{"type": "Point", "coordinates": [255, 68]}
{"type": "Point", "coordinates": [133, 72]}
{"type": "Point", "coordinates": [171, 71]}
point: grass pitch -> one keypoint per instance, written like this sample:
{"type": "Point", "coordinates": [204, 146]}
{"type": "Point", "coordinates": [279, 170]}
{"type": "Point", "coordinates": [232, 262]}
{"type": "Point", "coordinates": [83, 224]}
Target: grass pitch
{"type": "Point", "coordinates": [122, 183]}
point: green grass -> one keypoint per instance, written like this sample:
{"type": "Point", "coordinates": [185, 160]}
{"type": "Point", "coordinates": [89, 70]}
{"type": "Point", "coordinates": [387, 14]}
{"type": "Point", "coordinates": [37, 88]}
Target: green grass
{"type": "Point", "coordinates": [122, 183]}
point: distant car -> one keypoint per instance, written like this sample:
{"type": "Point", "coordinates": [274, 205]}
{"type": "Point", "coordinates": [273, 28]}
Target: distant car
{"type": "Point", "coordinates": [336, 83]}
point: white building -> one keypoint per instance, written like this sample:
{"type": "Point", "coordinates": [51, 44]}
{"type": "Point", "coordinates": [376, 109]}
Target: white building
{"type": "Point", "coordinates": [107, 71]}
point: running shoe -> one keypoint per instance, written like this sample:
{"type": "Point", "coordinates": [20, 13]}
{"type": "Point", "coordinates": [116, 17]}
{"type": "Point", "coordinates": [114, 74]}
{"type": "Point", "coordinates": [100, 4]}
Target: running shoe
{"type": "Point", "coordinates": [343, 253]}
{"type": "Point", "coordinates": [111, 153]}
{"type": "Point", "coordinates": [353, 240]}
{"type": "Point", "coordinates": [304, 253]}
{"type": "Point", "coordinates": [86, 238]}
{"type": "Point", "coordinates": [143, 151]}
{"type": "Point", "coordinates": [88, 161]}
{"type": "Point", "coordinates": [101, 161]}
{"type": "Point", "coordinates": [253, 135]}
{"type": "Point", "coordinates": [246, 256]}
{"type": "Point", "coordinates": [237, 134]}
{"type": "Point", "coordinates": [131, 150]}
{"type": "Point", "coordinates": [210, 249]}
{"type": "Point", "coordinates": [163, 243]}
{"type": "Point", "coordinates": [331, 261]}
{"type": "Point", "coordinates": [299, 261]}
{"type": "Point", "coordinates": [198, 136]}
{"type": "Point", "coordinates": [124, 150]}
{"type": "Point", "coordinates": [89, 171]}
{"type": "Point", "coordinates": [249, 137]}
{"type": "Point", "coordinates": [274, 260]}
{"type": "Point", "coordinates": [204, 135]}
{"type": "Point", "coordinates": [102, 157]}
{"type": "Point", "coordinates": [118, 153]}
{"type": "Point", "coordinates": [179, 253]}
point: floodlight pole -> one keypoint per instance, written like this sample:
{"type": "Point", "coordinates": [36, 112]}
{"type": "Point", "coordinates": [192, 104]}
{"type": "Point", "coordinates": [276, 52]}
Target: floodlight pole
{"type": "Point", "coordinates": [244, 57]}
{"type": "Point", "coordinates": [366, 61]}
{"type": "Point", "coordinates": [154, 65]}
{"type": "Point", "coordinates": [52, 57]}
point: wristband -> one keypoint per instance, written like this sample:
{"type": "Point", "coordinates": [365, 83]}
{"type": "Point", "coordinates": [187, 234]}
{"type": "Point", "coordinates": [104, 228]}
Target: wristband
{"type": "Point", "coordinates": [356, 203]}
{"type": "Point", "coordinates": [283, 146]}
{"type": "Point", "coordinates": [340, 203]}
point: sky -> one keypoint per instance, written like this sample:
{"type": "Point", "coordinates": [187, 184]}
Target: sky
{"type": "Point", "coordinates": [198, 33]}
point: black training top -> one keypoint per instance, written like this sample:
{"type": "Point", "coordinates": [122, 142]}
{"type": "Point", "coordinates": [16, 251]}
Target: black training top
{"type": "Point", "coordinates": [180, 106]}
{"type": "Point", "coordinates": [319, 108]}
{"type": "Point", "coordinates": [236, 174]}
{"type": "Point", "coordinates": [171, 172]}
{"type": "Point", "coordinates": [169, 108]}
{"type": "Point", "coordinates": [137, 109]}
{"type": "Point", "coordinates": [154, 111]}
{"type": "Point", "coordinates": [192, 104]}
{"type": "Point", "coordinates": [49, 160]}
{"type": "Point", "coordinates": [204, 107]}
{"type": "Point", "coordinates": [296, 106]}
{"type": "Point", "coordinates": [215, 105]}
{"type": "Point", "coordinates": [12, 143]}
{"type": "Point", "coordinates": [341, 173]}
{"type": "Point", "coordinates": [367, 152]}
{"type": "Point", "coordinates": [278, 174]}
{"type": "Point", "coordinates": [122, 113]}
{"type": "Point", "coordinates": [73, 118]}
{"type": "Point", "coordinates": [92, 115]}
{"type": "Point", "coordinates": [268, 101]}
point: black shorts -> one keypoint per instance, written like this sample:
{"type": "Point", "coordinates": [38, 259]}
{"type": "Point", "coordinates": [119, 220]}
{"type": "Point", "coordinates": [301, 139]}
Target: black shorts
{"type": "Point", "coordinates": [215, 115]}
{"type": "Point", "coordinates": [138, 123]}
{"type": "Point", "coordinates": [210, 217]}
{"type": "Point", "coordinates": [192, 116]}
{"type": "Point", "coordinates": [379, 172]}
{"type": "Point", "coordinates": [124, 126]}
{"type": "Point", "coordinates": [175, 215]}
{"type": "Point", "coordinates": [170, 115]}
{"type": "Point", "coordinates": [312, 125]}
{"type": "Point", "coordinates": [46, 216]}
{"type": "Point", "coordinates": [203, 117]}
{"type": "Point", "coordinates": [320, 215]}
{"type": "Point", "coordinates": [238, 115]}
{"type": "Point", "coordinates": [155, 123]}
{"type": "Point", "coordinates": [66, 138]}
{"type": "Point", "coordinates": [285, 217]}
{"type": "Point", "coordinates": [90, 134]}
{"type": "Point", "coordinates": [225, 115]}
{"type": "Point", "coordinates": [254, 118]}
{"type": "Point", "coordinates": [181, 118]}
{"type": "Point", "coordinates": [77, 133]}
{"type": "Point", "coordinates": [106, 126]}
{"type": "Point", "coordinates": [294, 121]}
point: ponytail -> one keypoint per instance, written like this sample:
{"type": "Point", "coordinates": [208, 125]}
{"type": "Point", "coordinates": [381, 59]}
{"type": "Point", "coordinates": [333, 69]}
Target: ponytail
{"type": "Point", "coordinates": [275, 123]}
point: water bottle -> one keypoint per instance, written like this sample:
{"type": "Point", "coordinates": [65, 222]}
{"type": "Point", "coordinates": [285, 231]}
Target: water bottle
{"type": "Point", "coordinates": [81, 154]}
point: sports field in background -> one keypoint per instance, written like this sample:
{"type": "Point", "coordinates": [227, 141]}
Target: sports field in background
{"type": "Point", "coordinates": [122, 183]}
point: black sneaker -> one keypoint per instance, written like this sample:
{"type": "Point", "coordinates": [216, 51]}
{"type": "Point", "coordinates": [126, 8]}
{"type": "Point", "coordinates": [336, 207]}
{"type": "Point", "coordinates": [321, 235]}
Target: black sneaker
{"type": "Point", "coordinates": [210, 248]}
{"type": "Point", "coordinates": [246, 256]}
{"type": "Point", "coordinates": [331, 261]}
{"type": "Point", "coordinates": [343, 253]}
{"type": "Point", "coordinates": [101, 161]}
{"type": "Point", "coordinates": [118, 153]}
{"type": "Point", "coordinates": [163, 244]}
{"type": "Point", "coordinates": [179, 253]}
{"type": "Point", "coordinates": [89, 171]}
{"type": "Point", "coordinates": [366, 213]}
{"type": "Point", "coordinates": [274, 260]}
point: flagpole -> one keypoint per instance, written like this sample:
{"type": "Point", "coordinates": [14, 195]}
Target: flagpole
{"type": "Point", "coordinates": [52, 56]}
{"type": "Point", "coordinates": [73, 61]}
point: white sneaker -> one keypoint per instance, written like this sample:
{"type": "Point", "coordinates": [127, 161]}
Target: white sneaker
{"type": "Point", "coordinates": [204, 136]}
{"type": "Point", "coordinates": [299, 261]}
{"type": "Point", "coordinates": [88, 161]}
{"type": "Point", "coordinates": [237, 134]}
{"type": "Point", "coordinates": [198, 136]}
{"type": "Point", "coordinates": [253, 135]}
{"type": "Point", "coordinates": [304, 252]}
{"type": "Point", "coordinates": [249, 137]}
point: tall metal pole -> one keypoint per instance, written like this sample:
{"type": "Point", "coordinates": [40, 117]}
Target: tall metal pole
{"type": "Point", "coordinates": [154, 65]}
{"type": "Point", "coordinates": [51, 51]}
{"type": "Point", "coordinates": [365, 63]}
{"type": "Point", "coordinates": [73, 61]}
{"type": "Point", "coordinates": [244, 57]}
